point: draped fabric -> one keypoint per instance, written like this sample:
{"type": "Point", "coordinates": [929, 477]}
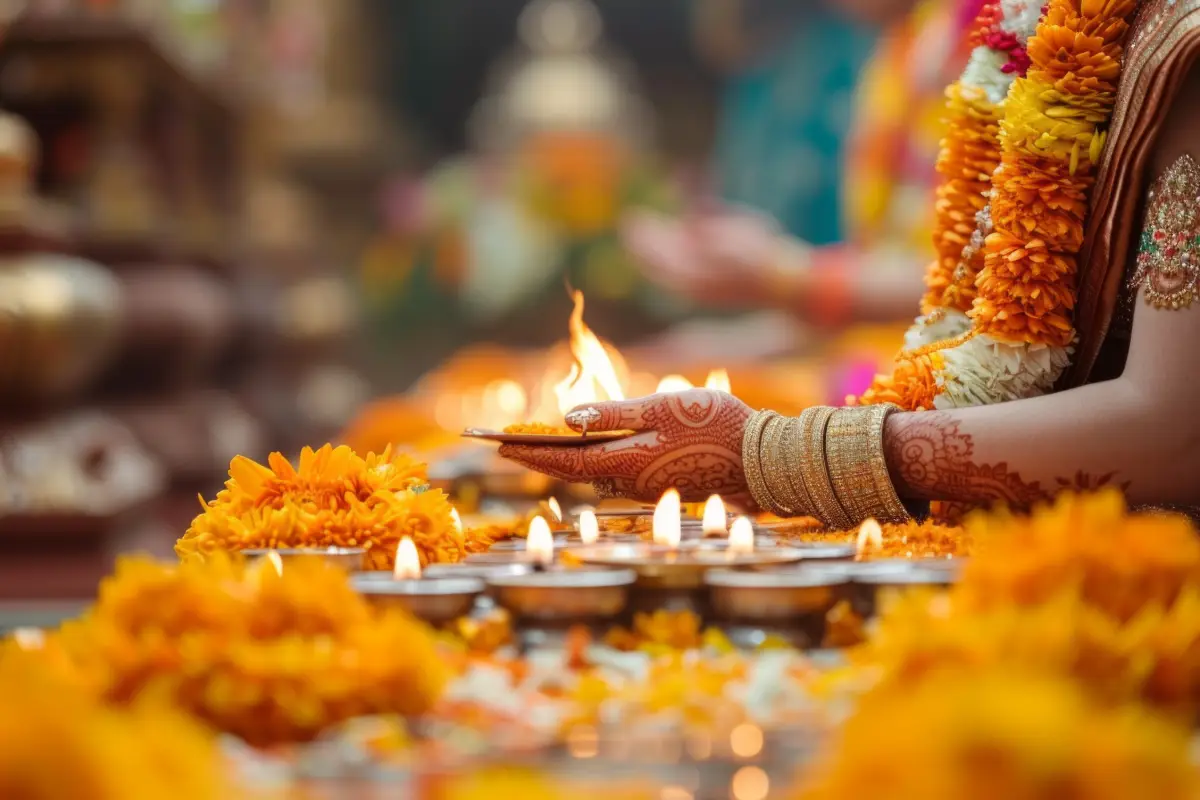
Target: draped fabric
{"type": "Point", "coordinates": [1163, 47]}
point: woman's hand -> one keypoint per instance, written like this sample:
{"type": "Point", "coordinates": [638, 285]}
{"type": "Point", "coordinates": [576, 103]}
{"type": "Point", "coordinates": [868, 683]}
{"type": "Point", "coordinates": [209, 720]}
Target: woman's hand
{"type": "Point", "coordinates": [728, 258]}
{"type": "Point", "coordinates": [691, 441]}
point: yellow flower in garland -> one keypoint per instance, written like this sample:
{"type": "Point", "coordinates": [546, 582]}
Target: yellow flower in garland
{"type": "Point", "coordinates": [334, 498]}
{"type": "Point", "coordinates": [1001, 734]}
{"type": "Point", "coordinates": [59, 741]}
{"type": "Point", "coordinates": [1119, 562]}
{"type": "Point", "coordinates": [269, 657]}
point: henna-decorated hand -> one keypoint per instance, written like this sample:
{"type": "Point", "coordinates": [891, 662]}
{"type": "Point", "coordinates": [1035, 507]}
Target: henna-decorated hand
{"type": "Point", "coordinates": [690, 440]}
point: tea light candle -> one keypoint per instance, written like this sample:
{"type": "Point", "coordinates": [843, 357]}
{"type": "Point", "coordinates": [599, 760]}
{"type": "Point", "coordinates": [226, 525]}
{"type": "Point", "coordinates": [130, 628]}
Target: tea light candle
{"type": "Point", "coordinates": [436, 600]}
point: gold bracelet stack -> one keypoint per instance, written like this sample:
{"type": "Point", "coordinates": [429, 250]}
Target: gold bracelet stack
{"type": "Point", "coordinates": [827, 463]}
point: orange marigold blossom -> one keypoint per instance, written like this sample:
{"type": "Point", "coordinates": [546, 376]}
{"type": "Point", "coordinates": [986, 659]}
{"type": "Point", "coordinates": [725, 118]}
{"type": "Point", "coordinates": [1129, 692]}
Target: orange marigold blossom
{"type": "Point", "coordinates": [1040, 199]}
{"type": "Point", "coordinates": [269, 657]}
{"type": "Point", "coordinates": [969, 153]}
{"type": "Point", "coordinates": [58, 740]}
{"type": "Point", "coordinates": [1119, 562]}
{"type": "Point", "coordinates": [1154, 657]}
{"type": "Point", "coordinates": [912, 385]}
{"type": "Point", "coordinates": [334, 498]}
{"type": "Point", "coordinates": [1000, 733]}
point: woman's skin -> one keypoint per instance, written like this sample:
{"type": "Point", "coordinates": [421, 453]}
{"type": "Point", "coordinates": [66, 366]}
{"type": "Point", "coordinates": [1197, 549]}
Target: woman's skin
{"type": "Point", "coordinates": [1140, 431]}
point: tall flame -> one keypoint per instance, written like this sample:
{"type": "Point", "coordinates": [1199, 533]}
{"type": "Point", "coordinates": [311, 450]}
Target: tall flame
{"type": "Point", "coordinates": [718, 379]}
{"type": "Point", "coordinates": [555, 508]}
{"type": "Point", "coordinates": [276, 562]}
{"type": "Point", "coordinates": [408, 563]}
{"type": "Point", "coordinates": [666, 524]}
{"type": "Point", "coordinates": [593, 370]}
{"type": "Point", "coordinates": [456, 519]}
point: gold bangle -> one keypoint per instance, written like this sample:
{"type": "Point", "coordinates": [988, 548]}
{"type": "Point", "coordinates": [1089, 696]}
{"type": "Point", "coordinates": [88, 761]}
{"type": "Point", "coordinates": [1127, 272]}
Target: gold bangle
{"type": "Point", "coordinates": [857, 467]}
{"type": "Point", "coordinates": [816, 472]}
{"type": "Point", "coordinates": [775, 466]}
{"type": "Point", "coordinates": [892, 508]}
{"type": "Point", "coordinates": [752, 458]}
{"type": "Point", "coordinates": [795, 457]}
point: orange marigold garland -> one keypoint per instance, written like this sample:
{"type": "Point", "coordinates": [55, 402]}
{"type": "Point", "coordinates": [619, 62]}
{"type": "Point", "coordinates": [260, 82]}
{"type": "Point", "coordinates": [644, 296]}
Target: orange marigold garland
{"type": "Point", "coordinates": [333, 498]}
{"type": "Point", "coordinates": [1029, 234]}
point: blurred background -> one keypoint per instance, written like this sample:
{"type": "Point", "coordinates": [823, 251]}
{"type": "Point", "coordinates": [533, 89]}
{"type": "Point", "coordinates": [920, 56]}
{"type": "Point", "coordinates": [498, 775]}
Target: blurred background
{"type": "Point", "coordinates": [239, 226]}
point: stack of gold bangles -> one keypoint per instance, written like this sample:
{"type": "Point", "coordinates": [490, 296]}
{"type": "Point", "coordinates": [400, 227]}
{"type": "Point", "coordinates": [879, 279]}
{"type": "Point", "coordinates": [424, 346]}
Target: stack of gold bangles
{"type": "Point", "coordinates": [827, 463]}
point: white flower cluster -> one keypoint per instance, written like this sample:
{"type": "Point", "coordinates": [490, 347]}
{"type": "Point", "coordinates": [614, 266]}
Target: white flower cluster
{"type": "Point", "coordinates": [982, 371]}
{"type": "Point", "coordinates": [1020, 17]}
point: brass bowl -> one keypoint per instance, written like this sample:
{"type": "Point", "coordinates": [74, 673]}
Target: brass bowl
{"type": "Point", "coordinates": [564, 595]}
{"type": "Point", "coordinates": [348, 558]}
{"type": "Point", "coordinates": [435, 600]}
{"type": "Point", "coordinates": [660, 567]}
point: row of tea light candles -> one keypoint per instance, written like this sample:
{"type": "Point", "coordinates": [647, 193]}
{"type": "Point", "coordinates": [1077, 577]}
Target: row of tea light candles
{"type": "Point", "coordinates": [528, 580]}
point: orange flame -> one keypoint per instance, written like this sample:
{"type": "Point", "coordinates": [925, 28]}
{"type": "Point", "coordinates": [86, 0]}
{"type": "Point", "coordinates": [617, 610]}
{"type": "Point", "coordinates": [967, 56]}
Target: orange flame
{"type": "Point", "coordinates": [593, 371]}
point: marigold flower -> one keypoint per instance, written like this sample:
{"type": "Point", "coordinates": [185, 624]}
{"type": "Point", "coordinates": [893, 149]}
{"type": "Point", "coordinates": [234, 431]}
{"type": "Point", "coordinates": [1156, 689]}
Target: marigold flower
{"type": "Point", "coordinates": [913, 384]}
{"type": "Point", "coordinates": [1001, 734]}
{"type": "Point", "coordinates": [269, 657]}
{"type": "Point", "coordinates": [58, 740]}
{"type": "Point", "coordinates": [1040, 199]}
{"type": "Point", "coordinates": [1120, 562]}
{"type": "Point", "coordinates": [1154, 657]}
{"type": "Point", "coordinates": [334, 498]}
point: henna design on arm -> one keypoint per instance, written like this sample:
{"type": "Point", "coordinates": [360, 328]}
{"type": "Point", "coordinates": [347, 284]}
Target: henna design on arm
{"type": "Point", "coordinates": [691, 441]}
{"type": "Point", "coordinates": [930, 458]}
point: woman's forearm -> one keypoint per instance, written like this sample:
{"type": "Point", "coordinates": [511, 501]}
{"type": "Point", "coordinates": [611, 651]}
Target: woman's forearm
{"type": "Point", "coordinates": [1113, 433]}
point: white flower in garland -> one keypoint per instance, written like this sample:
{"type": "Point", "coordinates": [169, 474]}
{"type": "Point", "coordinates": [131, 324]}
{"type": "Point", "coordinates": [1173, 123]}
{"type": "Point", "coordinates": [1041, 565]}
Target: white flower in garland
{"type": "Point", "coordinates": [984, 71]}
{"type": "Point", "coordinates": [1020, 17]}
{"type": "Point", "coordinates": [982, 371]}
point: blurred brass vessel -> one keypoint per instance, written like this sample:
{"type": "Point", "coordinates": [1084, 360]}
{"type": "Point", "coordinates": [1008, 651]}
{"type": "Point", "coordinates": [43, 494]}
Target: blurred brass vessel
{"type": "Point", "coordinates": [59, 324]}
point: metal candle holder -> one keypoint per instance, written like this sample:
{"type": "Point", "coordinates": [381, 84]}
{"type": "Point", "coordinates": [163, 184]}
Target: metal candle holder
{"type": "Point", "coordinates": [558, 596]}
{"type": "Point", "coordinates": [791, 603]}
{"type": "Point", "coordinates": [350, 559]}
{"type": "Point", "coordinates": [435, 600]}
